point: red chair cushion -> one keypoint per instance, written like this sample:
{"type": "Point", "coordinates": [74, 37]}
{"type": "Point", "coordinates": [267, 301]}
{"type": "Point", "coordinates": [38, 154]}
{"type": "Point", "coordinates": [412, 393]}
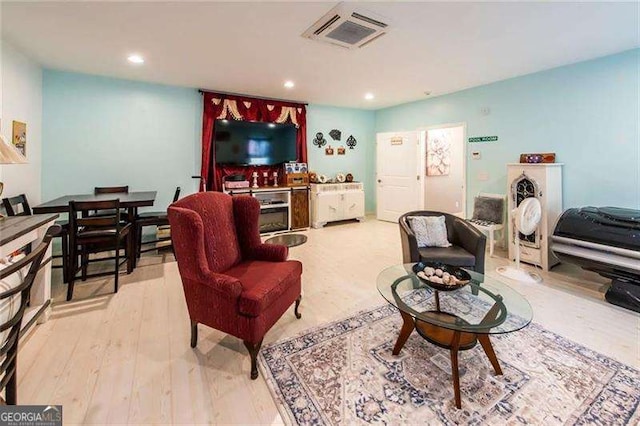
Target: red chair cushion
{"type": "Point", "coordinates": [263, 283]}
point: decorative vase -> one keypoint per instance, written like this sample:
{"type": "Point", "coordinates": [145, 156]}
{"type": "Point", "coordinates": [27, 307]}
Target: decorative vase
{"type": "Point", "coordinates": [255, 179]}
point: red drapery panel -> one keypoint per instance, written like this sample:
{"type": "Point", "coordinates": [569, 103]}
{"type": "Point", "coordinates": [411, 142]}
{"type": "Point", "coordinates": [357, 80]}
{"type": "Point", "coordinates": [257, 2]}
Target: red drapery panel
{"type": "Point", "coordinates": [221, 106]}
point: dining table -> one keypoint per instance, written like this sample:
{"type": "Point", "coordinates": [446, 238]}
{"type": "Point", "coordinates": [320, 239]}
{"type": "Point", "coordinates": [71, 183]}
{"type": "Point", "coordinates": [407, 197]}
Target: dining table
{"type": "Point", "coordinates": [130, 201]}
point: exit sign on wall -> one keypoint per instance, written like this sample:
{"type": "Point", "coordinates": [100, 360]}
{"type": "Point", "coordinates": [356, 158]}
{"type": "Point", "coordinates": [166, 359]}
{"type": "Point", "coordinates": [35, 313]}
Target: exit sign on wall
{"type": "Point", "coordinates": [484, 139]}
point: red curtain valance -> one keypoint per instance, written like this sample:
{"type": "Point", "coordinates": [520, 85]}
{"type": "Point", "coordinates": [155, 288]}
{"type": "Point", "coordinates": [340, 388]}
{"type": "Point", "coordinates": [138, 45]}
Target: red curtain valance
{"type": "Point", "coordinates": [221, 106]}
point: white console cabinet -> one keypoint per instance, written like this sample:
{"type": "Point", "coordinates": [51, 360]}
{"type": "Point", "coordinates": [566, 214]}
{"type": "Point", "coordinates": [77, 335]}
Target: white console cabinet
{"type": "Point", "coordinates": [331, 202]}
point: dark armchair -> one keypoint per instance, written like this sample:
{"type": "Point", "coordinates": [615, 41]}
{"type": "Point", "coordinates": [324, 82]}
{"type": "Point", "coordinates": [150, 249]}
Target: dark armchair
{"type": "Point", "coordinates": [232, 282]}
{"type": "Point", "coordinates": [468, 244]}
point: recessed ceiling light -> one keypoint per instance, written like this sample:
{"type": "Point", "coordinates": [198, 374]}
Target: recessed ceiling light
{"type": "Point", "coordinates": [368, 96]}
{"type": "Point", "coordinates": [135, 59]}
{"type": "Point", "coordinates": [289, 84]}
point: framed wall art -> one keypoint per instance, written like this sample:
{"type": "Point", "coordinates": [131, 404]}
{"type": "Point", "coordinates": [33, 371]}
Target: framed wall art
{"type": "Point", "coordinates": [19, 138]}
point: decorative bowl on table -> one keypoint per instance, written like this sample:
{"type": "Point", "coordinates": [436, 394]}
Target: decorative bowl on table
{"type": "Point", "coordinates": [440, 276]}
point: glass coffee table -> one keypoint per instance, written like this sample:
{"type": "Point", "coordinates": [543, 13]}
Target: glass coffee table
{"type": "Point", "coordinates": [455, 320]}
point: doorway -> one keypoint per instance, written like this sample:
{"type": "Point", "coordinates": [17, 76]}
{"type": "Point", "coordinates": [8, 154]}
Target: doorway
{"type": "Point", "coordinates": [445, 169]}
{"type": "Point", "coordinates": [398, 175]}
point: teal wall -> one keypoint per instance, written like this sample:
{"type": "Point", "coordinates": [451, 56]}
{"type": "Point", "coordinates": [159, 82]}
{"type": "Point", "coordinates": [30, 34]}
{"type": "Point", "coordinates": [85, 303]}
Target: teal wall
{"type": "Point", "coordinates": [105, 131]}
{"type": "Point", "coordinates": [360, 161]}
{"type": "Point", "coordinates": [587, 113]}
{"type": "Point", "coordinates": [101, 131]}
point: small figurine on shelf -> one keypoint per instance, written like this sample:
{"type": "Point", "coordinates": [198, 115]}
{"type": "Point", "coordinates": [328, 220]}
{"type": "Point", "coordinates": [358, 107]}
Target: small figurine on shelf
{"type": "Point", "coordinates": [265, 176]}
{"type": "Point", "coordinates": [275, 179]}
{"type": "Point", "coordinates": [255, 179]}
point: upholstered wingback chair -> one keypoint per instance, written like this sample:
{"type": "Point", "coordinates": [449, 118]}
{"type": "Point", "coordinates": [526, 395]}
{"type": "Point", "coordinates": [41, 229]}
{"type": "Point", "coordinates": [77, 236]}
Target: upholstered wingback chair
{"type": "Point", "coordinates": [468, 244]}
{"type": "Point", "coordinates": [232, 282]}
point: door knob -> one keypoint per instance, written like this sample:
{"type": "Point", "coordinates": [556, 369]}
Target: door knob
{"type": "Point", "coordinates": [379, 180]}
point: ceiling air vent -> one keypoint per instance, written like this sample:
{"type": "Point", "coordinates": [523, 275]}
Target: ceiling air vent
{"type": "Point", "coordinates": [347, 26]}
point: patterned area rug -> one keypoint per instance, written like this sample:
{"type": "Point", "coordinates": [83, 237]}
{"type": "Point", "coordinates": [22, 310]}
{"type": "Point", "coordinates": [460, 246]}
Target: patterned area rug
{"type": "Point", "coordinates": [344, 373]}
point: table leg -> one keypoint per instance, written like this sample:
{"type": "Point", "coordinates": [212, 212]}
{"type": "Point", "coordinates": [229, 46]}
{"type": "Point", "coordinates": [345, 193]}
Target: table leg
{"type": "Point", "coordinates": [484, 338]}
{"type": "Point", "coordinates": [455, 345]}
{"type": "Point", "coordinates": [132, 240]}
{"type": "Point", "coordinates": [407, 328]}
{"type": "Point", "coordinates": [488, 349]}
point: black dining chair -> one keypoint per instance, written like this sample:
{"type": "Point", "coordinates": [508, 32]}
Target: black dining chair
{"type": "Point", "coordinates": [158, 219]}
{"type": "Point", "coordinates": [99, 190]}
{"type": "Point", "coordinates": [19, 206]}
{"type": "Point", "coordinates": [14, 296]}
{"type": "Point", "coordinates": [96, 234]}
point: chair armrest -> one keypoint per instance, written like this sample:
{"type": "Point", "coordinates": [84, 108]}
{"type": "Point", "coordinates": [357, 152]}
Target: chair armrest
{"type": "Point", "coordinates": [270, 253]}
{"type": "Point", "coordinates": [472, 240]}
{"type": "Point", "coordinates": [409, 242]}
{"type": "Point", "coordinates": [225, 285]}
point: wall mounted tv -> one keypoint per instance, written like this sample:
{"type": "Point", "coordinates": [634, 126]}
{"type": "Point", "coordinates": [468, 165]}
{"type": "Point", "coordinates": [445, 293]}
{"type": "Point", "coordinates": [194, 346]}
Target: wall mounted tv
{"type": "Point", "coordinates": [254, 143]}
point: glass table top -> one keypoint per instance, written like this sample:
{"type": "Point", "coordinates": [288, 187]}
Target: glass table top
{"type": "Point", "coordinates": [484, 306]}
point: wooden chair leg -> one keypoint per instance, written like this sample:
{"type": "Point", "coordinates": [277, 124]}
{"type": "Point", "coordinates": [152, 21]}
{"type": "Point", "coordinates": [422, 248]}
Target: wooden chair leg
{"type": "Point", "coordinates": [194, 334]}
{"type": "Point", "coordinates": [117, 267]}
{"type": "Point", "coordinates": [491, 241]}
{"type": "Point", "coordinates": [253, 349]}
{"type": "Point", "coordinates": [65, 257]}
{"type": "Point", "coordinates": [298, 315]}
{"type": "Point", "coordinates": [84, 263]}
{"type": "Point", "coordinates": [11, 390]}
{"type": "Point", "coordinates": [139, 242]}
{"type": "Point", "coordinates": [72, 271]}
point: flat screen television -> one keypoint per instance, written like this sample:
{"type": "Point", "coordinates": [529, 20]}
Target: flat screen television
{"type": "Point", "coordinates": [254, 143]}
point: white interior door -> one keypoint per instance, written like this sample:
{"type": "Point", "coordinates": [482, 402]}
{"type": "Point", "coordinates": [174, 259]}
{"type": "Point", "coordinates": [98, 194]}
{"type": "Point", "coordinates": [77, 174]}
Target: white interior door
{"type": "Point", "coordinates": [397, 176]}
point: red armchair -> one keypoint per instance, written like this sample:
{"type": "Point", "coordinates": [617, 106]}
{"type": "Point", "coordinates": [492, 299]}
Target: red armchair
{"type": "Point", "coordinates": [232, 282]}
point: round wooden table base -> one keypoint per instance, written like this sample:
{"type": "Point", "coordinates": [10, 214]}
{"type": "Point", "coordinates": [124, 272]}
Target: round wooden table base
{"type": "Point", "coordinates": [443, 337]}
{"type": "Point", "coordinates": [452, 340]}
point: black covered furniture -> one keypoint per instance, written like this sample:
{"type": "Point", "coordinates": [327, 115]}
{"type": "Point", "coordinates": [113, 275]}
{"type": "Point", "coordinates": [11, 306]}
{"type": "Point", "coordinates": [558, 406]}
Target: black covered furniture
{"type": "Point", "coordinates": [605, 240]}
{"type": "Point", "coordinates": [468, 243]}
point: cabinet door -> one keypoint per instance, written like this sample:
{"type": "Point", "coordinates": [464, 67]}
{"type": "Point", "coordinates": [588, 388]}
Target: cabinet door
{"type": "Point", "coordinates": [299, 208]}
{"type": "Point", "coordinates": [328, 207]}
{"type": "Point", "coordinates": [353, 204]}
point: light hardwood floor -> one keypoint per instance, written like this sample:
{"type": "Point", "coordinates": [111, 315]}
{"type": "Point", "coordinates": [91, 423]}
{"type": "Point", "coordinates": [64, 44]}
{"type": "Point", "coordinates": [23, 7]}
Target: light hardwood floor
{"type": "Point", "coordinates": [125, 358]}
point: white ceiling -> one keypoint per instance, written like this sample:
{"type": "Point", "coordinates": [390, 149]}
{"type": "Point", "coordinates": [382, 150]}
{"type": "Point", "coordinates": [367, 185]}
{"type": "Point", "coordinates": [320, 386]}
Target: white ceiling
{"type": "Point", "coordinates": [254, 47]}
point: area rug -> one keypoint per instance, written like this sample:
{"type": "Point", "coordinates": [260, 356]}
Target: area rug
{"type": "Point", "coordinates": [344, 373]}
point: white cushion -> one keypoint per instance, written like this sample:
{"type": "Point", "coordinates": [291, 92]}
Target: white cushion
{"type": "Point", "coordinates": [430, 231]}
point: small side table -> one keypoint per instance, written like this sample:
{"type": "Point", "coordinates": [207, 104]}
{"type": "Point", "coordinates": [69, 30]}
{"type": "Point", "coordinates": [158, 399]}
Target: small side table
{"type": "Point", "coordinates": [289, 240]}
